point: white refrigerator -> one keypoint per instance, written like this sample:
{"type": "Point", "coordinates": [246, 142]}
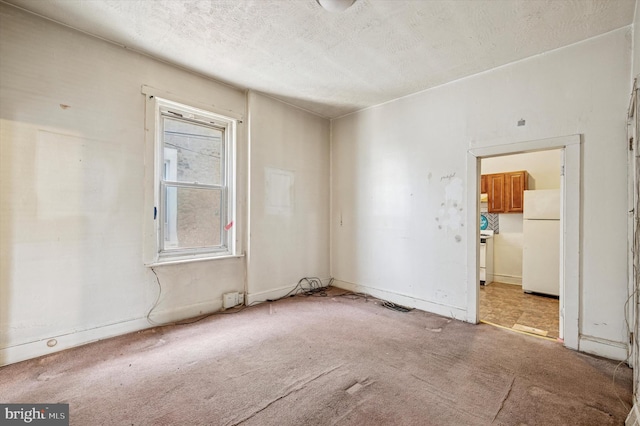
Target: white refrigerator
{"type": "Point", "coordinates": [541, 242]}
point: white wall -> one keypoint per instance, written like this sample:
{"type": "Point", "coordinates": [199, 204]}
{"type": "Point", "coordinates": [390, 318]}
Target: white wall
{"type": "Point", "coordinates": [544, 173]}
{"type": "Point", "coordinates": [73, 187]}
{"type": "Point", "coordinates": [289, 197]}
{"type": "Point", "coordinates": [73, 181]}
{"type": "Point", "coordinates": [399, 169]}
{"type": "Point", "coordinates": [636, 329]}
{"type": "Point", "coordinates": [636, 42]}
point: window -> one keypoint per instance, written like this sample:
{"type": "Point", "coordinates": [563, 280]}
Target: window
{"type": "Point", "coordinates": [195, 199]}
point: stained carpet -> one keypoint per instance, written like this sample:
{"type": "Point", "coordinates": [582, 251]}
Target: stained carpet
{"type": "Point", "coordinates": [325, 361]}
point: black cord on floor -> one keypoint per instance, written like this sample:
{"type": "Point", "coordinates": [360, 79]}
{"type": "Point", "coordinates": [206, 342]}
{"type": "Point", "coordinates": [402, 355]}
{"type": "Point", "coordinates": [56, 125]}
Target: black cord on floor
{"type": "Point", "coordinates": [155, 304]}
{"type": "Point", "coordinates": [394, 307]}
{"type": "Point", "coordinates": [306, 287]}
{"type": "Point", "coordinates": [384, 303]}
{"type": "Point", "coordinates": [313, 287]}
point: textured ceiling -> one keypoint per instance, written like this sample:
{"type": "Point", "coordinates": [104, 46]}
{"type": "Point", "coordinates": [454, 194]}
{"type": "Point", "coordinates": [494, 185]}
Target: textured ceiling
{"type": "Point", "coordinates": [335, 63]}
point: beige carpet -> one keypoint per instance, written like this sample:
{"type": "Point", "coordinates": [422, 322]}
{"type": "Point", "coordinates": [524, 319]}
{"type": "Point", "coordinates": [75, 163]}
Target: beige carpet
{"type": "Point", "coordinates": [325, 361]}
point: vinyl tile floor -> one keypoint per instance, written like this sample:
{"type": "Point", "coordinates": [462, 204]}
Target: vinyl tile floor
{"type": "Point", "coordinates": [507, 305]}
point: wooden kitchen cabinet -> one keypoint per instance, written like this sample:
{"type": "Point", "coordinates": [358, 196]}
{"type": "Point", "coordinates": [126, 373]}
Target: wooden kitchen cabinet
{"type": "Point", "coordinates": [495, 192]}
{"type": "Point", "coordinates": [505, 191]}
{"type": "Point", "coordinates": [515, 185]}
{"type": "Point", "coordinates": [483, 184]}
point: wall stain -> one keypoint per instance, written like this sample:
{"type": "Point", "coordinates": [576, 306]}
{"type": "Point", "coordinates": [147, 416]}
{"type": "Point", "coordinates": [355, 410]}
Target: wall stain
{"type": "Point", "coordinates": [448, 177]}
{"type": "Point", "coordinates": [449, 213]}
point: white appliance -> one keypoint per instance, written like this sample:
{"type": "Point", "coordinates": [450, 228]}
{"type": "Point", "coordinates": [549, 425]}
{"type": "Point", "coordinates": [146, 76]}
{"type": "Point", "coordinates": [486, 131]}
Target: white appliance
{"type": "Point", "coordinates": [541, 242]}
{"type": "Point", "coordinates": [486, 257]}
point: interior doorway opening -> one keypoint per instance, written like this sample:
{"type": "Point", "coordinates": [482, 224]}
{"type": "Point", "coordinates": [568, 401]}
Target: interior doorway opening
{"type": "Point", "coordinates": [520, 223]}
{"type": "Point", "coordinates": [570, 208]}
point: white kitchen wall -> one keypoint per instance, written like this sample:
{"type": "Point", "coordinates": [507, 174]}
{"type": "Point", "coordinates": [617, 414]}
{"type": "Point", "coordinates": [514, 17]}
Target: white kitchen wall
{"type": "Point", "coordinates": [507, 250]}
{"type": "Point", "coordinates": [399, 170]}
{"type": "Point", "coordinates": [289, 215]}
{"type": "Point", "coordinates": [543, 168]}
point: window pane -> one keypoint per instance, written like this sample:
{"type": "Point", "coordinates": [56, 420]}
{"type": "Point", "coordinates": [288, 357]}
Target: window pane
{"type": "Point", "coordinates": [197, 150]}
{"type": "Point", "coordinates": [192, 218]}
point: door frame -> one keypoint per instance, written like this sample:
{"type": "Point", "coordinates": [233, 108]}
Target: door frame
{"type": "Point", "coordinates": [571, 219]}
{"type": "Point", "coordinates": [633, 258]}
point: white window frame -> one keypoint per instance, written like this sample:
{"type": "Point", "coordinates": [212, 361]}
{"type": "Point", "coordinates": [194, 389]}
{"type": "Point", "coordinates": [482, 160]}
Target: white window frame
{"type": "Point", "coordinates": [167, 108]}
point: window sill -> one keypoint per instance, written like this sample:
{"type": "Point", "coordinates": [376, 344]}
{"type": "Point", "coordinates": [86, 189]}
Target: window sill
{"type": "Point", "coordinates": [176, 261]}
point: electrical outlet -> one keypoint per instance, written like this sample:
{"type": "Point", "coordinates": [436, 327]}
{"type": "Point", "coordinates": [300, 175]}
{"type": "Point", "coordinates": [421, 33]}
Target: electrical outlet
{"type": "Point", "coordinates": [229, 300]}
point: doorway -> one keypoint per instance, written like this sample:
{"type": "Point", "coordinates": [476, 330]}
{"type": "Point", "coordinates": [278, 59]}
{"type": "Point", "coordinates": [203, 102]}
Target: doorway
{"type": "Point", "coordinates": [569, 233]}
{"type": "Point", "coordinates": [520, 242]}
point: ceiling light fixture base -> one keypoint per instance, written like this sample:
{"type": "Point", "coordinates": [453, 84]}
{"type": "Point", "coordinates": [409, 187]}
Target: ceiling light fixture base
{"type": "Point", "coordinates": [335, 6]}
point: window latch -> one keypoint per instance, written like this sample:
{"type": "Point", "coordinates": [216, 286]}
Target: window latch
{"type": "Point", "coordinates": [155, 212]}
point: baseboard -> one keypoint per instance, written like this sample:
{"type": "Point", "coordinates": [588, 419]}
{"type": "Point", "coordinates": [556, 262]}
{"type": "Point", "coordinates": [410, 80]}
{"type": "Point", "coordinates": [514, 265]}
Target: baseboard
{"type": "Point", "coordinates": [276, 293]}
{"type": "Point", "coordinates": [507, 279]}
{"type": "Point", "coordinates": [263, 296]}
{"type": "Point", "coordinates": [25, 351]}
{"type": "Point", "coordinates": [171, 315]}
{"type": "Point", "coordinates": [406, 300]}
{"type": "Point", "coordinates": [603, 347]}
{"type": "Point", "coordinates": [633, 419]}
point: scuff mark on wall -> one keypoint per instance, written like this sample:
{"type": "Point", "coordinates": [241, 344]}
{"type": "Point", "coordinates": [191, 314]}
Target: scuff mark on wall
{"type": "Point", "coordinates": [442, 295]}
